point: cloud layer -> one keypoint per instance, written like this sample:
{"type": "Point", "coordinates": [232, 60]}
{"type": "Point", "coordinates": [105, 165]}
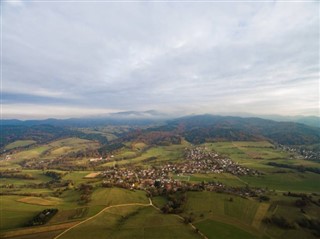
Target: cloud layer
{"type": "Point", "coordinates": [191, 57]}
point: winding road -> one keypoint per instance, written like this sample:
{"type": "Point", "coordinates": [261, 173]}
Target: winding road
{"type": "Point", "coordinates": [124, 205]}
{"type": "Point", "coordinates": [105, 209]}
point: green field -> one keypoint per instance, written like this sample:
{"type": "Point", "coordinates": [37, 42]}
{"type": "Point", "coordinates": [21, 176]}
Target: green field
{"type": "Point", "coordinates": [219, 205]}
{"type": "Point", "coordinates": [115, 196]}
{"type": "Point", "coordinates": [38, 177]}
{"type": "Point", "coordinates": [16, 211]}
{"type": "Point", "coordinates": [55, 149]}
{"type": "Point", "coordinates": [16, 214]}
{"type": "Point", "coordinates": [132, 222]}
{"type": "Point", "coordinates": [283, 206]}
{"type": "Point", "coordinates": [256, 155]}
{"type": "Point", "coordinates": [110, 132]}
{"type": "Point", "coordinates": [294, 181]}
{"type": "Point", "coordinates": [31, 153]}
{"type": "Point", "coordinates": [77, 177]}
{"type": "Point", "coordinates": [157, 153]}
{"type": "Point", "coordinates": [225, 178]}
{"type": "Point", "coordinates": [218, 230]}
{"type": "Point", "coordinates": [216, 215]}
{"type": "Point", "coordinates": [19, 144]}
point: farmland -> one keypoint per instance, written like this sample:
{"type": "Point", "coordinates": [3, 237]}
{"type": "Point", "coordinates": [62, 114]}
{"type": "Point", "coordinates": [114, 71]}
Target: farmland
{"type": "Point", "coordinates": [89, 202]}
{"type": "Point", "coordinates": [215, 229]}
{"type": "Point", "coordinates": [132, 222]}
{"type": "Point", "coordinates": [19, 143]}
{"type": "Point", "coordinates": [54, 149]}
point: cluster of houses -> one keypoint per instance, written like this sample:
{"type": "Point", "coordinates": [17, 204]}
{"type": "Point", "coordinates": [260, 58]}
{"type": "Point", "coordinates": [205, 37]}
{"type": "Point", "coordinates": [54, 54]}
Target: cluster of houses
{"type": "Point", "coordinates": [135, 178]}
{"type": "Point", "coordinates": [158, 181]}
{"type": "Point", "coordinates": [204, 161]}
{"type": "Point", "coordinates": [101, 159]}
{"type": "Point", "coordinates": [198, 160]}
{"type": "Point", "coordinates": [307, 154]}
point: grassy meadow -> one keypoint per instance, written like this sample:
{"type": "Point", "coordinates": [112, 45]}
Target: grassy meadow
{"type": "Point", "coordinates": [132, 222]}
{"type": "Point", "coordinates": [19, 144]}
{"type": "Point", "coordinates": [52, 150]}
{"type": "Point", "coordinates": [216, 215]}
{"type": "Point", "coordinates": [216, 229]}
{"type": "Point", "coordinates": [138, 153]}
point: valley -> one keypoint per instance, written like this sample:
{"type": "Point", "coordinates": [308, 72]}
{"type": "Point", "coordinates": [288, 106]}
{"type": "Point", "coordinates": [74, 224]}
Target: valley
{"type": "Point", "coordinates": [157, 182]}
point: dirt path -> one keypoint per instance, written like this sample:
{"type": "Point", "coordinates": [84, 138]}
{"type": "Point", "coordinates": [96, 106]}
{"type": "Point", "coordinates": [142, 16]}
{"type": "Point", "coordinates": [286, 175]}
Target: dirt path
{"type": "Point", "coordinates": [102, 211]}
{"type": "Point", "coordinates": [28, 231]}
{"type": "Point", "coordinates": [178, 216]}
{"type": "Point", "coordinates": [261, 212]}
{"type": "Point", "coordinates": [71, 225]}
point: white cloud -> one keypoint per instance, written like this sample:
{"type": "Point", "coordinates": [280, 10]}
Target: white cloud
{"type": "Point", "coordinates": [32, 111]}
{"type": "Point", "coordinates": [207, 57]}
{"type": "Point", "coordinates": [14, 2]}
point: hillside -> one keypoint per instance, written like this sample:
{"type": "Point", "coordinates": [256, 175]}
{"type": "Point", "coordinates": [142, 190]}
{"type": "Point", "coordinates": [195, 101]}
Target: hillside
{"type": "Point", "coordinates": [42, 134]}
{"type": "Point", "coordinates": [196, 129]}
{"type": "Point", "coordinates": [154, 182]}
{"type": "Point", "coordinates": [202, 128]}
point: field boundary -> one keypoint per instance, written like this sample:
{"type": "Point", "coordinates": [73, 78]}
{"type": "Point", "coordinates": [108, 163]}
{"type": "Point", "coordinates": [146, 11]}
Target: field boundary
{"type": "Point", "coordinates": [261, 212]}
{"type": "Point", "coordinates": [102, 211]}
{"type": "Point", "coordinates": [34, 230]}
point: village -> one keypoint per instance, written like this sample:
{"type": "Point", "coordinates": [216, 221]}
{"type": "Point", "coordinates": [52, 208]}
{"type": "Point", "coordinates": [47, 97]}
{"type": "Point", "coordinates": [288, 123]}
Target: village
{"type": "Point", "coordinates": [160, 181]}
{"type": "Point", "coordinates": [167, 176]}
{"type": "Point", "coordinates": [302, 152]}
{"type": "Point", "coordinates": [197, 160]}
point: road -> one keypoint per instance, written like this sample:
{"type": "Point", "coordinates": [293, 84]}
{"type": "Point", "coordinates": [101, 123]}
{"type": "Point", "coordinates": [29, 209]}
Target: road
{"type": "Point", "coordinates": [103, 210]}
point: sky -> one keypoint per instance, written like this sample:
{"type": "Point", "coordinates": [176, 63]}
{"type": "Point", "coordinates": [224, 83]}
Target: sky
{"type": "Point", "coordinates": [80, 58]}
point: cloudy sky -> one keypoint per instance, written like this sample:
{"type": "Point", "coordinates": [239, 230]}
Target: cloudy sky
{"type": "Point", "coordinates": [62, 59]}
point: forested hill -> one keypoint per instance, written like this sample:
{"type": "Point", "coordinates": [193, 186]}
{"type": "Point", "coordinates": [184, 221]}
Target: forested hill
{"type": "Point", "coordinates": [80, 122]}
{"type": "Point", "coordinates": [201, 128]}
{"type": "Point", "coordinates": [195, 129]}
{"type": "Point", "coordinates": [42, 134]}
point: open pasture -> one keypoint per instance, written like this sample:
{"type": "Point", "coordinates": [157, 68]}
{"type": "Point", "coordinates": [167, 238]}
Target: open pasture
{"type": "Point", "coordinates": [284, 206]}
{"type": "Point", "coordinates": [36, 152]}
{"type": "Point", "coordinates": [289, 181]}
{"type": "Point", "coordinates": [225, 178]}
{"type": "Point", "coordinates": [153, 155]}
{"type": "Point", "coordinates": [138, 146]}
{"type": "Point", "coordinates": [16, 214]}
{"type": "Point", "coordinates": [209, 207]}
{"type": "Point", "coordinates": [19, 144]}
{"type": "Point", "coordinates": [46, 201]}
{"type": "Point", "coordinates": [250, 154]}
{"type": "Point", "coordinates": [69, 145]}
{"type": "Point", "coordinates": [214, 229]}
{"type": "Point", "coordinates": [220, 205]}
{"type": "Point", "coordinates": [34, 177]}
{"type": "Point", "coordinates": [132, 222]}
{"type": "Point", "coordinates": [110, 132]}
{"type": "Point", "coordinates": [78, 177]}
{"type": "Point", "coordinates": [55, 149]}
{"type": "Point", "coordinates": [114, 196]}
{"type": "Point", "coordinates": [257, 155]}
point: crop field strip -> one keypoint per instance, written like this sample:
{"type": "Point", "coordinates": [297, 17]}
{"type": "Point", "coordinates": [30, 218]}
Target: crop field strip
{"type": "Point", "coordinates": [242, 215]}
{"type": "Point", "coordinates": [138, 225]}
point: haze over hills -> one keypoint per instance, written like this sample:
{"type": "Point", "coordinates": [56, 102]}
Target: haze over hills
{"type": "Point", "coordinates": [145, 117]}
{"type": "Point", "coordinates": [206, 173]}
{"type": "Point", "coordinates": [159, 119]}
{"type": "Point", "coordinates": [196, 129]}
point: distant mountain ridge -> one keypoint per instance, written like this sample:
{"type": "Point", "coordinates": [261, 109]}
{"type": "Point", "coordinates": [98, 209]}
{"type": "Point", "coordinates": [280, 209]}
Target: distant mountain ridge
{"type": "Point", "coordinates": [148, 117]}
{"type": "Point", "coordinates": [202, 128]}
{"type": "Point", "coordinates": [80, 122]}
{"type": "Point", "coordinates": [196, 129]}
{"type": "Point", "coordinates": [313, 121]}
